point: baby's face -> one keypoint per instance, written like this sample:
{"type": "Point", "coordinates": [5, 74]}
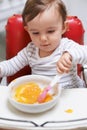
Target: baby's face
{"type": "Point", "coordinates": [46, 30]}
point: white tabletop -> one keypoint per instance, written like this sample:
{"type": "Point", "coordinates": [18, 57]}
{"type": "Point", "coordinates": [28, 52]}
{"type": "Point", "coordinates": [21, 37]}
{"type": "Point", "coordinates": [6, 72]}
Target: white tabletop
{"type": "Point", "coordinates": [55, 119]}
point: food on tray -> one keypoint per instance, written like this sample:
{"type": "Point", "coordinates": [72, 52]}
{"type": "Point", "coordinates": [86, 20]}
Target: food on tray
{"type": "Point", "coordinates": [28, 93]}
{"type": "Point", "coordinates": [69, 111]}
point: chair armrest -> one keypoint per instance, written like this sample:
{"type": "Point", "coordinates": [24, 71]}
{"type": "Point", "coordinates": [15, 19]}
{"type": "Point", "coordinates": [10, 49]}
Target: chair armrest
{"type": "Point", "coordinates": [85, 73]}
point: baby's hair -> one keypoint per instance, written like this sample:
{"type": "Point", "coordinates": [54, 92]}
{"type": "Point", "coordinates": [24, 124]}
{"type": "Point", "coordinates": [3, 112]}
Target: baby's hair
{"type": "Point", "coordinates": [34, 7]}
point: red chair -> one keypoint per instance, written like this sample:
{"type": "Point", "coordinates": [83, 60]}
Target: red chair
{"type": "Point", "coordinates": [75, 32]}
{"type": "Point", "coordinates": [17, 38]}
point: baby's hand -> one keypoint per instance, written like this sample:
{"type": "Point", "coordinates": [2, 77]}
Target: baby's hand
{"type": "Point", "coordinates": [64, 64]}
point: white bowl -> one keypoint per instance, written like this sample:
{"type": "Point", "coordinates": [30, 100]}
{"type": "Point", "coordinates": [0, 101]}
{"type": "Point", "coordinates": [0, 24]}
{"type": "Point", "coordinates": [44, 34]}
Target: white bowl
{"type": "Point", "coordinates": [32, 108]}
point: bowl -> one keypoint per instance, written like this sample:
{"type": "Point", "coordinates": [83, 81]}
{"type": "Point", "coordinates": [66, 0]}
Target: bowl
{"type": "Point", "coordinates": [42, 81]}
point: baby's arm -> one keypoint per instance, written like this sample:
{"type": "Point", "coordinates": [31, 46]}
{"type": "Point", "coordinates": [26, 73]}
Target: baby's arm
{"type": "Point", "coordinates": [64, 63]}
{"type": "Point", "coordinates": [13, 65]}
{"type": "Point", "coordinates": [74, 54]}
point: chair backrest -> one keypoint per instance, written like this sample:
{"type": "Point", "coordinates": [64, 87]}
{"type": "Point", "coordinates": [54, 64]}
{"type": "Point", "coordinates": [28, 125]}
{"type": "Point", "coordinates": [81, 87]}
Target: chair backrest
{"type": "Point", "coordinates": [17, 38]}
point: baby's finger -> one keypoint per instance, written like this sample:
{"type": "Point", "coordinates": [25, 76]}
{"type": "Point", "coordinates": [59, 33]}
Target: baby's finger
{"type": "Point", "coordinates": [66, 63]}
{"type": "Point", "coordinates": [61, 68]}
{"type": "Point", "coordinates": [68, 60]}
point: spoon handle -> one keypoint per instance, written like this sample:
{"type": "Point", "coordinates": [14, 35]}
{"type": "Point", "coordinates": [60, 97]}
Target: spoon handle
{"type": "Point", "coordinates": [43, 95]}
{"type": "Point", "coordinates": [55, 80]}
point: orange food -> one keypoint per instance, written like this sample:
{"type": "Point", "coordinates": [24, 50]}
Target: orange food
{"type": "Point", "coordinates": [48, 98]}
{"type": "Point", "coordinates": [28, 93]}
{"type": "Point", "coordinates": [69, 111]}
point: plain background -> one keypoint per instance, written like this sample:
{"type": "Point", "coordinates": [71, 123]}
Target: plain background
{"type": "Point", "coordinates": [78, 8]}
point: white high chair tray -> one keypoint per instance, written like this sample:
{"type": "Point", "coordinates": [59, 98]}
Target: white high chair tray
{"type": "Point", "coordinates": [55, 119]}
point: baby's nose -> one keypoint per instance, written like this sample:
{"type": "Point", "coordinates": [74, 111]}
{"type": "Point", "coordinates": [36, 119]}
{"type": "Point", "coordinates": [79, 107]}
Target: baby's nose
{"type": "Point", "coordinates": [43, 37]}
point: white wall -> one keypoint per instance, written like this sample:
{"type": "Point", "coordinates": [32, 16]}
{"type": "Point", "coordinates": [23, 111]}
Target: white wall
{"type": "Point", "coordinates": [7, 9]}
{"type": "Point", "coordinates": [78, 8]}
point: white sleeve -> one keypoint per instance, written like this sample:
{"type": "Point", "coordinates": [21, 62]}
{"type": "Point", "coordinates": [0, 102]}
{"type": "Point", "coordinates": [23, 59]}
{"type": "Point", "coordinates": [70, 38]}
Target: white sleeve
{"type": "Point", "coordinates": [11, 66]}
{"type": "Point", "coordinates": [78, 52]}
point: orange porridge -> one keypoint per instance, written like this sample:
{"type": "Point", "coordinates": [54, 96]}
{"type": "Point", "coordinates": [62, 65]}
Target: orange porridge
{"type": "Point", "coordinates": [28, 93]}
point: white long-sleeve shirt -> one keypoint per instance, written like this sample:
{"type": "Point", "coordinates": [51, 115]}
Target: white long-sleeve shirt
{"type": "Point", "coordinates": [47, 65]}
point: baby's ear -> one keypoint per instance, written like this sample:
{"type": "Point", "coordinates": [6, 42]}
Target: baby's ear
{"type": "Point", "coordinates": [65, 27]}
{"type": "Point", "coordinates": [26, 28]}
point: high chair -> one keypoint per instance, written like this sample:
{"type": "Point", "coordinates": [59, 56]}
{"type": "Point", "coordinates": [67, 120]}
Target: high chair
{"type": "Point", "coordinates": [17, 38]}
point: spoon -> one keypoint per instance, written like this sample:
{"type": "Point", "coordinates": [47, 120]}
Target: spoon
{"type": "Point", "coordinates": [43, 95]}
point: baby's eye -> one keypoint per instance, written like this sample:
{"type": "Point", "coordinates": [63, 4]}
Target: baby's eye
{"type": "Point", "coordinates": [35, 33]}
{"type": "Point", "coordinates": [51, 31]}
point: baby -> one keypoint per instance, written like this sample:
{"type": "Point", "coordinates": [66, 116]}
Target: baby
{"type": "Point", "coordinates": [48, 53]}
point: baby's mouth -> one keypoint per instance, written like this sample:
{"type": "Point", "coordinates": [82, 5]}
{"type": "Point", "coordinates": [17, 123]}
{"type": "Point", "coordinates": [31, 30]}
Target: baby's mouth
{"type": "Point", "coordinates": [46, 45]}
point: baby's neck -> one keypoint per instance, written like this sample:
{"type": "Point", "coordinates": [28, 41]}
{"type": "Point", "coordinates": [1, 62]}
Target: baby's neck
{"type": "Point", "coordinates": [44, 54]}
